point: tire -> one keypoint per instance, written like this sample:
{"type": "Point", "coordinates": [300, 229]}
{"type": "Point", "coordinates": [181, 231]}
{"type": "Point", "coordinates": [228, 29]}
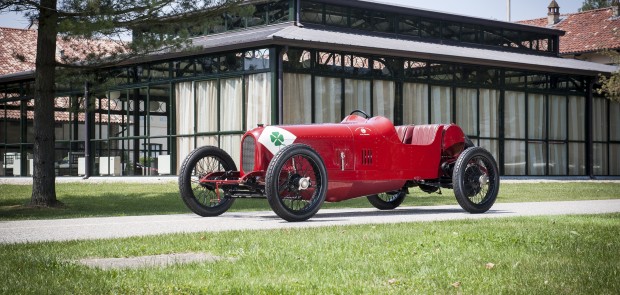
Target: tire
{"type": "Point", "coordinates": [475, 180]}
{"type": "Point", "coordinates": [203, 199]}
{"type": "Point", "coordinates": [286, 174]}
{"type": "Point", "coordinates": [388, 200]}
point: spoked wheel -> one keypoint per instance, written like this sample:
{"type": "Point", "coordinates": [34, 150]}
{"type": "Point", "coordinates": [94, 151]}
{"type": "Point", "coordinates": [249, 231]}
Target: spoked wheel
{"type": "Point", "coordinates": [205, 199]}
{"type": "Point", "coordinates": [388, 200]}
{"type": "Point", "coordinates": [476, 180]}
{"type": "Point", "coordinates": [296, 182]}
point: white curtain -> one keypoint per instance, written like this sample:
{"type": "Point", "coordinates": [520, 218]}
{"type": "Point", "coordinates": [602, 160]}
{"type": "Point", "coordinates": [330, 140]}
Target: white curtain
{"type": "Point", "coordinates": [206, 106]}
{"type": "Point", "coordinates": [557, 159]}
{"type": "Point", "coordinates": [466, 110]}
{"type": "Point", "coordinates": [356, 95]}
{"type": "Point", "coordinates": [514, 114]}
{"type": "Point", "coordinates": [232, 145]}
{"type": "Point", "coordinates": [258, 100]}
{"type": "Point", "coordinates": [600, 159]}
{"type": "Point", "coordinates": [576, 159]}
{"type": "Point", "coordinates": [614, 159]}
{"type": "Point", "coordinates": [536, 110]}
{"type": "Point", "coordinates": [415, 100]}
{"type": "Point", "coordinates": [537, 155]}
{"type": "Point", "coordinates": [576, 115]}
{"type": "Point", "coordinates": [599, 119]}
{"type": "Point", "coordinates": [492, 146]}
{"type": "Point", "coordinates": [184, 96]}
{"type": "Point", "coordinates": [614, 117]}
{"type": "Point", "coordinates": [441, 104]}
{"type": "Point", "coordinates": [383, 100]}
{"type": "Point", "coordinates": [557, 117]}
{"type": "Point", "coordinates": [328, 99]}
{"type": "Point", "coordinates": [231, 112]}
{"type": "Point", "coordinates": [297, 98]}
{"type": "Point", "coordinates": [489, 108]}
{"type": "Point", "coordinates": [514, 157]}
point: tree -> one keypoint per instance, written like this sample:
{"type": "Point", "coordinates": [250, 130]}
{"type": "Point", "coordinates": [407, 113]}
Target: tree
{"type": "Point", "coordinates": [154, 24]}
{"type": "Point", "coordinates": [594, 4]}
{"type": "Point", "coordinates": [610, 85]}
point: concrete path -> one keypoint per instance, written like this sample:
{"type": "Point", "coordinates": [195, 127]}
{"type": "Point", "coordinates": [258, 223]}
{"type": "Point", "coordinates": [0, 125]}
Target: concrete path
{"type": "Point", "coordinates": [120, 227]}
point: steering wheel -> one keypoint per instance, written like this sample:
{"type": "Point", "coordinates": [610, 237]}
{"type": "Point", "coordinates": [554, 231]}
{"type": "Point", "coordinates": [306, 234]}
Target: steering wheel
{"type": "Point", "coordinates": [366, 116]}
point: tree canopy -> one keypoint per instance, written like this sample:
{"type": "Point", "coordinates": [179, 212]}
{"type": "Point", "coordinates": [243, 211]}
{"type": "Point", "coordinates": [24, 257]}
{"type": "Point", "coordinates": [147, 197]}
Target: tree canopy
{"type": "Point", "coordinates": [138, 27]}
{"type": "Point", "coordinates": [594, 4]}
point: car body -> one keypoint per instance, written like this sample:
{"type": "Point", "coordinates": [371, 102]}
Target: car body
{"type": "Point", "coordinates": [298, 167]}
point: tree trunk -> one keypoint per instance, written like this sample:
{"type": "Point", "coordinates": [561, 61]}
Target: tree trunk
{"type": "Point", "coordinates": [44, 176]}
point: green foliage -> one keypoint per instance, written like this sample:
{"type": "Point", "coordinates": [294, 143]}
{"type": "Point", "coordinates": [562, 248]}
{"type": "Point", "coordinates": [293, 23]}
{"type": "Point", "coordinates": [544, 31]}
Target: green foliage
{"type": "Point", "coordinates": [539, 255]}
{"type": "Point", "coordinates": [594, 4]}
{"type": "Point", "coordinates": [610, 85]}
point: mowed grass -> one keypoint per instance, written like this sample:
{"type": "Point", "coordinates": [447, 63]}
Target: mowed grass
{"type": "Point", "coordinates": [124, 199]}
{"type": "Point", "coordinates": [540, 255]}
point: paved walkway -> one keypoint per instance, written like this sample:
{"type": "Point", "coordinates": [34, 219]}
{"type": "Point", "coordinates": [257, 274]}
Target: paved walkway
{"type": "Point", "coordinates": [119, 227]}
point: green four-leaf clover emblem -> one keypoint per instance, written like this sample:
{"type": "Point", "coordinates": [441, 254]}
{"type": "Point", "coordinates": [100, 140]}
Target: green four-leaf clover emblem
{"type": "Point", "coordinates": [277, 138]}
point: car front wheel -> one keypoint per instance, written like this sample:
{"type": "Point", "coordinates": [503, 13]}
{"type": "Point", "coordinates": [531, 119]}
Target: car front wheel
{"type": "Point", "coordinates": [296, 182]}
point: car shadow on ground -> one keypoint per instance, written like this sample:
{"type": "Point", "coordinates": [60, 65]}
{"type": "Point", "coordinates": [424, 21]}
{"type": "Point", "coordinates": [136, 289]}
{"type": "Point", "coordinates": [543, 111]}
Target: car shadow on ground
{"type": "Point", "coordinates": [336, 216]}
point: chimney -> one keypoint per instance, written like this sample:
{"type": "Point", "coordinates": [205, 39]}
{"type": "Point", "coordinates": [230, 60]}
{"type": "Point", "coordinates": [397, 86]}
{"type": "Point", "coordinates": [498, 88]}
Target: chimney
{"type": "Point", "coordinates": [553, 17]}
{"type": "Point", "coordinates": [615, 7]}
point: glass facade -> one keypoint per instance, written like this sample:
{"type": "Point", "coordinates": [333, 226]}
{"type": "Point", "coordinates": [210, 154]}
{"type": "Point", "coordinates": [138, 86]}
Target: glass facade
{"type": "Point", "coordinates": [533, 123]}
{"type": "Point", "coordinates": [151, 115]}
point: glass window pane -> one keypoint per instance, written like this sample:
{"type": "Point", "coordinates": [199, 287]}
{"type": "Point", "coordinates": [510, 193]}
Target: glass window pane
{"type": "Point", "coordinates": [576, 113]}
{"type": "Point", "coordinates": [492, 146]}
{"type": "Point", "coordinates": [441, 105]}
{"type": "Point", "coordinates": [232, 145]}
{"type": "Point", "coordinates": [514, 118]}
{"type": "Point", "coordinates": [489, 108]}
{"type": "Point", "coordinates": [258, 100]}
{"type": "Point", "coordinates": [557, 117]}
{"type": "Point", "coordinates": [537, 163]}
{"type": "Point", "coordinates": [328, 99]}
{"type": "Point", "coordinates": [614, 117]}
{"type": "Point", "coordinates": [557, 159]}
{"type": "Point", "coordinates": [336, 16]}
{"type": "Point", "coordinates": [297, 98]}
{"type": "Point", "coordinates": [599, 119]}
{"type": "Point", "coordinates": [231, 104]}
{"type": "Point", "coordinates": [415, 110]}
{"type": "Point", "coordinates": [466, 110]}
{"type": "Point", "coordinates": [537, 125]}
{"type": "Point", "coordinates": [600, 159]}
{"type": "Point", "coordinates": [206, 108]}
{"type": "Point", "coordinates": [514, 157]}
{"type": "Point", "coordinates": [576, 159]}
{"type": "Point", "coordinates": [614, 159]}
{"type": "Point", "coordinates": [356, 95]}
{"type": "Point", "coordinates": [383, 100]}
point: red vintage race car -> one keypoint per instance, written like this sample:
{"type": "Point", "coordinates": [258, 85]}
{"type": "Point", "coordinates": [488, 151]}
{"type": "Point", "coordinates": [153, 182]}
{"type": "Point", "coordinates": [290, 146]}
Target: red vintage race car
{"type": "Point", "coordinates": [298, 167]}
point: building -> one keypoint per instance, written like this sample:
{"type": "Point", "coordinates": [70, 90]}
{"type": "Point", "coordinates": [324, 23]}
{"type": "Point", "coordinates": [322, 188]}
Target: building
{"type": "Point", "coordinates": [589, 34]}
{"type": "Point", "coordinates": [313, 61]}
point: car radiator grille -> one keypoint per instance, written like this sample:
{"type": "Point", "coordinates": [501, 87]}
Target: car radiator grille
{"type": "Point", "coordinates": [248, 146]}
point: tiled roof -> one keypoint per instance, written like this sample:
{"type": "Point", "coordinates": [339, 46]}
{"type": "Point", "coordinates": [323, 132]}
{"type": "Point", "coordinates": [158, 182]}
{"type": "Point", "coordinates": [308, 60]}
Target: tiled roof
{"type": "Point", "coordinates": [586, 31]}
{"type": "Point", "coordinates": [18, 49]}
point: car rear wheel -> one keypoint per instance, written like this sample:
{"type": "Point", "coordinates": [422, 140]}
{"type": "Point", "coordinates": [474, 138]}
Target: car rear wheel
{"type": "Point", "coordinates": [388, 200]}
{"type": "Point", "coordinates": [475, 180]}
{"type": "Point", "coordinates": [205, 199]}
{"type": "Point", "coordinates": [296, 182]}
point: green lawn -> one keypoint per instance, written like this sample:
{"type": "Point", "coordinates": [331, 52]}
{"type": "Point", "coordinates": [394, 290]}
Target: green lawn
{"type": "Point", "coordinates": [117, 199]}
{"type": "Point", "coordinates": [540, 255]}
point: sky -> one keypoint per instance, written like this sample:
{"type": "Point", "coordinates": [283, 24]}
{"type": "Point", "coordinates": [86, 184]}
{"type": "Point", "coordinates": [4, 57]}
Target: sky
{"type": "Point", "coordinates": [490, 9]}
